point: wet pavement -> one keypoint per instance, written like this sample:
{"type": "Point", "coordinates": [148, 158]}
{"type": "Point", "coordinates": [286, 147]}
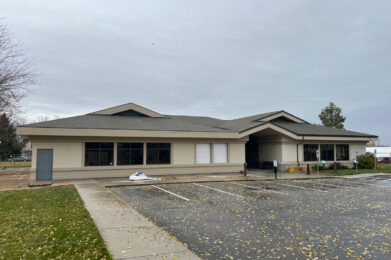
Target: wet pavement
{"type": "Point", "coordinates": [287, 219]}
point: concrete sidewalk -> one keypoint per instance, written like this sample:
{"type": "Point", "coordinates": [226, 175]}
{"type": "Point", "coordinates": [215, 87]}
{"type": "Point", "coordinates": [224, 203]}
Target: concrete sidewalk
{"type": "Point", "coordinates": [127, 234]}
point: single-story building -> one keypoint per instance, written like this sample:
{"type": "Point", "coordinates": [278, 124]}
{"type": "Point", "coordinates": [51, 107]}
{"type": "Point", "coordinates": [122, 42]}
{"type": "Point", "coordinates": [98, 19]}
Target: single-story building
{"type": "Point", "coordinates": [118, 141]}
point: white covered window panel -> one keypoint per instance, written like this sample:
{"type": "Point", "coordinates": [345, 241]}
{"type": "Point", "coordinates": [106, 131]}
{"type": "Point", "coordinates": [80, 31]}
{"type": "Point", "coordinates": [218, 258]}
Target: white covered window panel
{"type": "Point", "coordinates": [220, 153]}
{"type": "Point", "coordinates": [203, 153]}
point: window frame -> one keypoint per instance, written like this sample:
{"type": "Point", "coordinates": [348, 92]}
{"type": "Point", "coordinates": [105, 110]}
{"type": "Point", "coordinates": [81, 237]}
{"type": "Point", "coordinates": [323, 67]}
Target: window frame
{"type": "Point", "coordinates": [304, 152]}
{"type": "Point", "coordinates": [130, 150]}
{"type": "Point", "coordinates": [99, 150]}
{"type": "Point", "coordinates": [214, 153]}
{"type": "Point", "coordinates": [322, 154]}
{"type": "Point", "coordinates": [159, 151]}
{"type": "Point", "coordinates": [209, 150]}
{"type": "Point", "coordinates": [348, 152]}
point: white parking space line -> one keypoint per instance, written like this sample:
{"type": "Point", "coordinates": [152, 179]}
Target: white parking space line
{"type": "Point", "coordinates": [290, 185]}
{"type": "Point", "coordinates": [222, 191]}
{"type": "Point", "coordinates": [169, 192]}
{"type": "Point", "coordinates": [331, 185]}
{"type": "Point", "coordinates": [258, 188]}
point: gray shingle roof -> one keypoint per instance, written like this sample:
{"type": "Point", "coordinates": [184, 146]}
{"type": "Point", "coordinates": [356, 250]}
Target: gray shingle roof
{"type": "Point", "coordinates": [190, 124]}
{"type": "Point", "coordinates": [244, 123]}
{"type": "Point", "coordinates": [318, 130]}
{"type": "Point", "coordinates": [169, 123]}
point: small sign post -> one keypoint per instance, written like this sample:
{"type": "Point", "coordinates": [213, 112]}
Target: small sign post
{"type": "Point", "coordinates": [317, 161]}
{"type": "Point", "coordinates": [275, 169]}
{"type": "Point", "coordinates": [356, 162]}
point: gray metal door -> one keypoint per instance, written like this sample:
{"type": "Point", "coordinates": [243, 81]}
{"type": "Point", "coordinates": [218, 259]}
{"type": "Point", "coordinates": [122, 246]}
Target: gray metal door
{"type": "Point", "coordinates": [44, 164]}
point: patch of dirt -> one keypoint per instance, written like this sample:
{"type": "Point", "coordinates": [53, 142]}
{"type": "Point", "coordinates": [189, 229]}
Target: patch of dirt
{"type": "Point", "coordinates": [166, 178]}
{"type": "Point", "coordinates": [14, 180]}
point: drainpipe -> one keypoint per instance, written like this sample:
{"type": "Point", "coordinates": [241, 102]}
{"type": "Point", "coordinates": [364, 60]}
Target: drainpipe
{"type": "Point", "coordinates": [297, 151]}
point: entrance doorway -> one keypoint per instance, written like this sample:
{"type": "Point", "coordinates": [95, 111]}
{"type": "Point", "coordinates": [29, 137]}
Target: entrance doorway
{"type": "Point", "coordinates": [252, 153]}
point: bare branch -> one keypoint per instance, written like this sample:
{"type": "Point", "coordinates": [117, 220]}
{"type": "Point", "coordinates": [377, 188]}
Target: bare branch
{"type": "Point", "coordinates": [15, 73]}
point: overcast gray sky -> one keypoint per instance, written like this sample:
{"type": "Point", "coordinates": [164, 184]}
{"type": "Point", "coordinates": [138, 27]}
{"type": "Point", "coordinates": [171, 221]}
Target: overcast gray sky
{"type": "Point", "coordinates": [223, 59]}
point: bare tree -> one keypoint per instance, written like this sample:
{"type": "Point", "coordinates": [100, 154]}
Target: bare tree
{"type": "Point", "coordinates": [15, 73]}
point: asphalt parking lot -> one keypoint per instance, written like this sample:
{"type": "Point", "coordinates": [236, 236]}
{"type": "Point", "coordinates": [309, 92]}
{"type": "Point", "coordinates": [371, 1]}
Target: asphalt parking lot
{"type": "Point", "coordinates": [290, 219]}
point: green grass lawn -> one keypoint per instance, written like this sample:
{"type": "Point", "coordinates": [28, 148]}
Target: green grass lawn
{"type": "Point", "coordinates": [382, 168]}
{"type": "Point", "coordinates": [48, 223]}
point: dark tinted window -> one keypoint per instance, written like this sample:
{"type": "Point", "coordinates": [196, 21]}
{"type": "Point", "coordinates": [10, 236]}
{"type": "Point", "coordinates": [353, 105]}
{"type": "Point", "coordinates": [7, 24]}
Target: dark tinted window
{"type": "Point", "coordinates": [310, 152]}
{"type": "Point", "coordinates": [130, 153]}
{"type": "Point", "coordinates": [158, 153]}
{"type": "Point", "coordinates": [327, 152]}
{"type": "Point", "coordinates": [99, 154]}
{"type": "Point", "coordinates": [342, 151]}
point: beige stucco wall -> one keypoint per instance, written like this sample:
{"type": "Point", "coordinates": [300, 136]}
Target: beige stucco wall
{"type": "Point", "coordinates": [290, 155]}
{"type": "Point", "coordinates": [65, 154]}
{"type": "Point", "coordinates": [183, 153]}
{"type": "Point", "coordinates": [68, 158]}
{"type": "Point", "coordinates": [237, 153]}
{"type": "Point", "coordinates": [270, 151]}
{"type": "Point", "coordinates": [284, 150]}
{"type": "Point", "coordinates": [68, 161]}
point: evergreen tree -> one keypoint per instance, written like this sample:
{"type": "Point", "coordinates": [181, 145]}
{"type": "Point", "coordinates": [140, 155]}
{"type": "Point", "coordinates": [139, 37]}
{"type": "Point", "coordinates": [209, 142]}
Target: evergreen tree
{"type": "Point", "coordinates": [331, 116]}
{"type": "Point", "coordinates": [9, 141]}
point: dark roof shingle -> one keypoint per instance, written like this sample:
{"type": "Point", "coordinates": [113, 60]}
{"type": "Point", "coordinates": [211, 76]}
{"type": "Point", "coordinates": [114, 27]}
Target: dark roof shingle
{"type": "Point", "coordinates": [191, 124]}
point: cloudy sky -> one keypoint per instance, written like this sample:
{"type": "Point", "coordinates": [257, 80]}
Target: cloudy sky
{"type": "Point", "coordinates": [223, 59]}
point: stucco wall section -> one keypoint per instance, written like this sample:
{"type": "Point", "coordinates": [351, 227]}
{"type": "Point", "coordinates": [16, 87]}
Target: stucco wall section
{"type": "Point", "coordinates": [65, 154]}
{"type": "Point", "coordinates": [236, 153]}
{"type": "Point", "coordinates": [270, 151]}
{"type": "Point", "coordinates": [183, 153]}
{"type": "Point", "coordinates": [289, 152]}
{"type": "Point", "coordinates": [68, 158]}
{"type": "Point", "coordinates": [359, 147]}
{"type": "Point", "coordinates": [353, 147]}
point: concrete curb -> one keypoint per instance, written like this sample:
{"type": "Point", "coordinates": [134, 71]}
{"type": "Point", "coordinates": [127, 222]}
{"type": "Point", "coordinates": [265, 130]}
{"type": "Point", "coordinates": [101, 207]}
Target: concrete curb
{"type": "Point", "coordinates": [211, 180]}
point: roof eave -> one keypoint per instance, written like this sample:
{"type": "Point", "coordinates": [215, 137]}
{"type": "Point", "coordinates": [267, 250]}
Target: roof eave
{"type": "Point", "coordinates": [83, 132]}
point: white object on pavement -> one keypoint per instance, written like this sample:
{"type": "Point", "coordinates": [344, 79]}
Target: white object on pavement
{"type": "Point", "coordinates": [139, 176]}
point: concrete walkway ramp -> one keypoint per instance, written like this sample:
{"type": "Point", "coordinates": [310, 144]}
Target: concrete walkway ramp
{"type": "Point", "coordinates": [128, 234]}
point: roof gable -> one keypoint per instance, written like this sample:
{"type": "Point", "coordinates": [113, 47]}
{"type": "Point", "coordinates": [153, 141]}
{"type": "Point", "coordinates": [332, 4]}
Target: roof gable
{"type": "Point", "coordinates": [281, 115]}
{"type": "Point", "coordinates": [129, 109]}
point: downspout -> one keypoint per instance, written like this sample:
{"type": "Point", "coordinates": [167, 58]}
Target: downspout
{"type": "Point", "coordinates": [297, 151]}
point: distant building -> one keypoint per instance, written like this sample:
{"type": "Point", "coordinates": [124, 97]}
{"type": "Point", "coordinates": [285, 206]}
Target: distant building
{"type": "Point", "coordinates": [27, 148]}
{"type": "Point", "coordinates": [381, 151]}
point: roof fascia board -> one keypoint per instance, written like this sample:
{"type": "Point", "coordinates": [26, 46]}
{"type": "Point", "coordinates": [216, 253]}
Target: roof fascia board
{"type": "Point", "coordinates": [35, 131]}
{"type": "Point", "coordinates": [282, 114]}
{"type": "Point", "coordinates": [336, 138]}
{"type": "Point", "coordinates": [303, 137]}
{"type": "Point", "coordinates": [269, 126]}
{"type": "Point", "coordinates": [125, 107]}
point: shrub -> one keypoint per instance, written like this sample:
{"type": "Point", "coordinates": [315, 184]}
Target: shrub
{"type": "Point", "coordinates": [339, 166]}
{"type": "Point", "coordinates": [366, 161]}
{"type": "Point", "coordinates": [297, 169]}
{"type": "Point", "coordinates": [321, 167]}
